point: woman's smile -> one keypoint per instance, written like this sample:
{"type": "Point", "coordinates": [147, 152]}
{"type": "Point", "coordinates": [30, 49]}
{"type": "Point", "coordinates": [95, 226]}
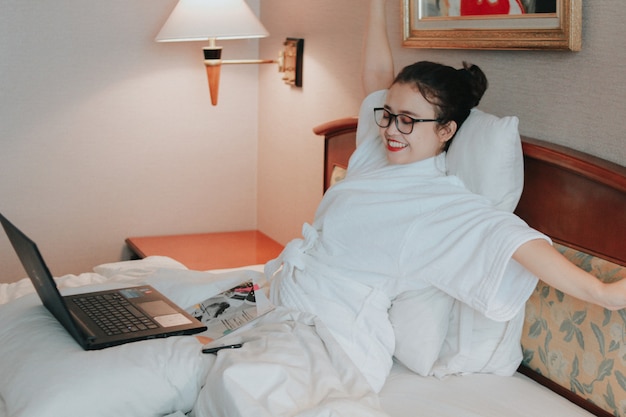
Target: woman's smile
{"type": "Point", "coordinates": [395, 146]}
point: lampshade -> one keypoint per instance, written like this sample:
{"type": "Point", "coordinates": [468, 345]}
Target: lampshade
{"type": "Point", "coordinates": [200, 20]}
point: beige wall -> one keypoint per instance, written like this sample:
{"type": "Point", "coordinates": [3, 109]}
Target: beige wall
{"type": "Point", "coordinates": [574, 99]}
{"type": "Point", "coordinates": [106, 134]}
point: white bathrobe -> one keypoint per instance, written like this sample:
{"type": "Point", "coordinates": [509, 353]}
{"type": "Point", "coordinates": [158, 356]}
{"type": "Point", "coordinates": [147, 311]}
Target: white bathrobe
{"type": "Point", "coordinates": [387, 229]}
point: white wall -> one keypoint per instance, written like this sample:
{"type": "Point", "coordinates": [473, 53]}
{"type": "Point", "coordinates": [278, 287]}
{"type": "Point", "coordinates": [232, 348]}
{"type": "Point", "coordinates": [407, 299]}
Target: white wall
{"type": "Point", "coordinates": [574, 99]}
{"type": "Point", "coordinates": [105, 133]}
{"type": "Point", "coordinates": [290, 155]}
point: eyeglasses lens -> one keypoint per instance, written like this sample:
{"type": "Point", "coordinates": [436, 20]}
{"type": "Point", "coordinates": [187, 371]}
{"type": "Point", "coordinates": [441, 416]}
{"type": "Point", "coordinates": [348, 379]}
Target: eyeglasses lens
{"type": "Point", "coordinates": [384, 118]}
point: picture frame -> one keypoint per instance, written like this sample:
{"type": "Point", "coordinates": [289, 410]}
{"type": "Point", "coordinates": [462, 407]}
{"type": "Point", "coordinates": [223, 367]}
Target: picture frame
{"type": "Point", "coordinates": [429, 24]}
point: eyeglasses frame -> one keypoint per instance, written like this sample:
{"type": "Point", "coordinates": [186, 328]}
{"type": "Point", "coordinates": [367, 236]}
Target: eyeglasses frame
{"type": "Point", "coordinates": [394, 117]}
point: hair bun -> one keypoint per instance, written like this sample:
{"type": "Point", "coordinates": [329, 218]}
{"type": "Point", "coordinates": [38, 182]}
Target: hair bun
{"type": "Point", "coordinates": [477, 81]}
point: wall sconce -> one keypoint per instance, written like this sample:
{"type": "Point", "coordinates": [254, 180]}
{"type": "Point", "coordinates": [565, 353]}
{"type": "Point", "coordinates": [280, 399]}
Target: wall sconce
{"type": "Point", "coordinates": [211, 20]}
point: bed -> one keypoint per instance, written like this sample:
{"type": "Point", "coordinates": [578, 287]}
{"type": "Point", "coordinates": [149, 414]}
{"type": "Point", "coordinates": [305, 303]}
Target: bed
{"type": "Point", "coordinates": [573, 353]}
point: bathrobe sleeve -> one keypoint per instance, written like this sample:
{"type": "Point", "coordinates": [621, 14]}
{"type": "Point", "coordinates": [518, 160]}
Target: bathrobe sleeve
{"type": "Point", "coordinates": [470, 247]}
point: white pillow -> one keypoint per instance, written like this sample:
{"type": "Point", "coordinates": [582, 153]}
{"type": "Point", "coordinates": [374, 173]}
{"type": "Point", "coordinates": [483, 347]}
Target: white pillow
{"type": "Point", "coordinates": [476, 344]}
{"type": "Point", "coordinates": [486, 155]}
{"type": "Point", "coordinates": [420, 322]}
{"type": "Point", "coordinates": [438, 335]}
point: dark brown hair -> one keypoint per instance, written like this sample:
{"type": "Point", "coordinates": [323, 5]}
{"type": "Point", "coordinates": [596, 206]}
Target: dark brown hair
{"type": "Point", "coordinates": [453, 92]}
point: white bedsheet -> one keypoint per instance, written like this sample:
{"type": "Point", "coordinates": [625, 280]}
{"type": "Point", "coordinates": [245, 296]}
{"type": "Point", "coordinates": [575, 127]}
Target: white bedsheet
{"type": "Point", "coordinates": [270, 376]}
{"type": "Point", "coordinates": [479, 395]}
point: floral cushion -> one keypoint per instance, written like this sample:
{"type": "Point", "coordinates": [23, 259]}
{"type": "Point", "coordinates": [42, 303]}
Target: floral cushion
{"type": "Point", "coordinates": [581, 347]}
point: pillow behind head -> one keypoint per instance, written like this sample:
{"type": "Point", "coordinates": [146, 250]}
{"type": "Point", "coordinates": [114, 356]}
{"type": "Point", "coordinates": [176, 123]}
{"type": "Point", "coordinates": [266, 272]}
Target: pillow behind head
{"type": "Point", "coordinates": [486, 154]}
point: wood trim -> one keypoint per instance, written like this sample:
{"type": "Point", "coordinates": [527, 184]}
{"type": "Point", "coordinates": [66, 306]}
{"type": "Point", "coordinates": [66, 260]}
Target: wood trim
{"type": "Point", "coordinates": [564, 392]}
{"type": "Point", "coordinates": [339, 143]}
{"type": "Point", "coordinates": [576, 199]}
{"type": "Point", "coordinates": [599, 170]}
{"type": "Point", "coordinates": [336, 127]}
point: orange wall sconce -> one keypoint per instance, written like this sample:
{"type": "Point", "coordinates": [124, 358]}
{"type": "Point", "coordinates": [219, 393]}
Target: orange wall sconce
{"type": "Point", "coordinates": [212, 20]}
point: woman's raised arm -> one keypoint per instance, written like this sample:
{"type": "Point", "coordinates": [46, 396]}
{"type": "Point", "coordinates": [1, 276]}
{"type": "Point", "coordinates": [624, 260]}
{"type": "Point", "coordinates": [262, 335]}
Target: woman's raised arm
{"type": "Point", "coordinates": [377, 68]}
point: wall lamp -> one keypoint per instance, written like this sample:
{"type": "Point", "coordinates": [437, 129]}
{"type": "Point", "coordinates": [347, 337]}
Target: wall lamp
{"type": "Point", "coordinates": [212, 20]}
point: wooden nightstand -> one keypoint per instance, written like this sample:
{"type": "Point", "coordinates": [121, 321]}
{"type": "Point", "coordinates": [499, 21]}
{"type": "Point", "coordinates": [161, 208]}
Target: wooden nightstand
{"type": "Point", "coordinates": [209, 250]}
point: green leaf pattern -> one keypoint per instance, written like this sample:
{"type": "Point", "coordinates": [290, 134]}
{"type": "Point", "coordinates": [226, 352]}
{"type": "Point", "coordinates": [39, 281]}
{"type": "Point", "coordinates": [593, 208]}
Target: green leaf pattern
{"type": "Point", "coordinates": [579, 346]}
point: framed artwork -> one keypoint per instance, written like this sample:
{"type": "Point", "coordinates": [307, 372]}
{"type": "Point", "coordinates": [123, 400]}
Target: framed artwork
{"type": "Point", "coordinates": [493, 24]}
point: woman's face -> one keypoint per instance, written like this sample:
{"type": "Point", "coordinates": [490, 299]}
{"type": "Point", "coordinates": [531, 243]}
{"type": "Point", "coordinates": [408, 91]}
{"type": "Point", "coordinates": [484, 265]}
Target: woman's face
{"type": "Point", "coordinates": [427, 138]}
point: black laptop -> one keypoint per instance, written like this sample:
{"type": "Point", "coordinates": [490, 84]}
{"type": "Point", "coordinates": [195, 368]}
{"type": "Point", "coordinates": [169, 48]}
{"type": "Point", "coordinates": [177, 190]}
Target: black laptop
{"type": "Point", "coordinates": [105, 318]}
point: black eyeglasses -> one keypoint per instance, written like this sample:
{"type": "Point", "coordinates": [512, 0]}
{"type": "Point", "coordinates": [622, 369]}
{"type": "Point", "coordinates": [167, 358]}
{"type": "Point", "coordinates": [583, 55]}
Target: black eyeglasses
{"type": "Point", "coordinates": [404, 123]}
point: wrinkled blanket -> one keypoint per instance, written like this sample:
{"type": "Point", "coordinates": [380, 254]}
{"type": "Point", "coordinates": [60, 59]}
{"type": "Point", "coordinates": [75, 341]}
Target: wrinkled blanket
{"type": "Point", "coordinates": [289, 363]}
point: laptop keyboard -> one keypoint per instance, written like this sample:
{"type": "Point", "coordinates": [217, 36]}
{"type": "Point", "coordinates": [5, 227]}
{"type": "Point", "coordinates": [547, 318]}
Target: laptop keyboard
{"type": "Point", "coordinates": [113, 314]}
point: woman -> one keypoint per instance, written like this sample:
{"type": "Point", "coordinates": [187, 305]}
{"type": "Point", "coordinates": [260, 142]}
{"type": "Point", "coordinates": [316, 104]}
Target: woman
{"type": "Point", "coordinates": [398, 223]}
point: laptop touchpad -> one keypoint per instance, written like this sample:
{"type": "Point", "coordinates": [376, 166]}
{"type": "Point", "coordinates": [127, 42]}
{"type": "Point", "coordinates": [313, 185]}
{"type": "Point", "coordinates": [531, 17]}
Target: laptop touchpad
{"type": "Point", "coordinates": [164, 314]}
{"type": "Point", "coordinates": [157, 308]}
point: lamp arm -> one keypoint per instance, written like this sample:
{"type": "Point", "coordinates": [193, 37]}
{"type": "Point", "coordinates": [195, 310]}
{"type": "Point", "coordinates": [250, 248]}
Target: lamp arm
{"type": "Point", "coordinates": [289, 62]}
{"type": "Point", "coordinates": [249, 61]}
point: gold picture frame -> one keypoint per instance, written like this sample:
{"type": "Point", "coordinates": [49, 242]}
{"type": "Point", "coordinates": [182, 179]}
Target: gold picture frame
{"type": "Point", "coordinates": [427, 24]}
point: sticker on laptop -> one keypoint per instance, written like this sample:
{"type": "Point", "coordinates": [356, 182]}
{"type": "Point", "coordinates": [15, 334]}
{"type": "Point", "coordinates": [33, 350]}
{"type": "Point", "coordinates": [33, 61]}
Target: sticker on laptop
{"type": "Point", "coordinates": [131, 293]}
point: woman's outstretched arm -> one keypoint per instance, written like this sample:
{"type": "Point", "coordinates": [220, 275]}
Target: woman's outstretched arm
{"type": "Point", "coordinates": [377, 67]}
{"type": "Point", "coordinates": [547, 264]}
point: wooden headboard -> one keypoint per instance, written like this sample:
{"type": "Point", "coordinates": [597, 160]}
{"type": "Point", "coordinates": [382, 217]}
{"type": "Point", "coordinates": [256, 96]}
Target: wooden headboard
{"type": "Point", "coordinates": [576, 199]}
{"type": "Point", "coordinates": [339, 143]}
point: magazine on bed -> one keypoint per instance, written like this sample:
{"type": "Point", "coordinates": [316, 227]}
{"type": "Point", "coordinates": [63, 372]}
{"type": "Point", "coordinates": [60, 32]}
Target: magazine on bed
{"type": "Point", "coordinates": [231, 310]}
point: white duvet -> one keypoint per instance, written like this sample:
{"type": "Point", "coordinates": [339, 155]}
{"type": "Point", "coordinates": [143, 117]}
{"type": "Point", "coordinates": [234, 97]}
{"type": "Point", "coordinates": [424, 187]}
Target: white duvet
{"type": "Point", "coordinates": [289, 364]}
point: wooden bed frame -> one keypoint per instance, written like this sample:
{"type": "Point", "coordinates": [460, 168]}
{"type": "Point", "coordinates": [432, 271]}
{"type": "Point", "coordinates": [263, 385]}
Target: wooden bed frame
{"type": "Point", "coordinates": [576, 199]}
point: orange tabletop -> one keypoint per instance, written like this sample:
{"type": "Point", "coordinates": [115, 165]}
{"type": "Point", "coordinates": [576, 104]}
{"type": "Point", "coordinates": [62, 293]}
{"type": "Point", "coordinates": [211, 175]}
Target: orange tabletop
{"type": "Point", "coordinates": [205, 251]}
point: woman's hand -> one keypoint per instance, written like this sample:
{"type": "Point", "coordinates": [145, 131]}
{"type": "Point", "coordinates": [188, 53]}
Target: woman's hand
{"type": "Point", "coordinates": [615, 295]}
